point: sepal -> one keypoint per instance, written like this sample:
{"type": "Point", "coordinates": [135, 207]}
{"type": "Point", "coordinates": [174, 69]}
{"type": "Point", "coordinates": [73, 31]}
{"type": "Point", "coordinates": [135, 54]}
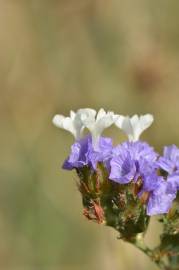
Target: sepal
{"type": "Point", "coordinates": [107, 202]}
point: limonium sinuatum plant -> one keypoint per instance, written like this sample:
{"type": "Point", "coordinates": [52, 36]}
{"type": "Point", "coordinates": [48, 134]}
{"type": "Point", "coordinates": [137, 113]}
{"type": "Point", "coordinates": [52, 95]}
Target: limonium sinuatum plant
{"type": "Point", "coordinates": [123, 186]}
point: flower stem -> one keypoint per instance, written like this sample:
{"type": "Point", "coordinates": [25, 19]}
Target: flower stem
{"type": "Point", "coordinates": [138, 241]}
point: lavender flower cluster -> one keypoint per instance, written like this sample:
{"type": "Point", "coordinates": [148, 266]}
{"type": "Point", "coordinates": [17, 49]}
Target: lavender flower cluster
{"type": "Point", "coordinates": [132, 161]}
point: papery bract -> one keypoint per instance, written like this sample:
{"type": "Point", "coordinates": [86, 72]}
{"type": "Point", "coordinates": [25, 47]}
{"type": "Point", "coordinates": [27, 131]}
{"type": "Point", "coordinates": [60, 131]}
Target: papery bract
{"type": "Point", "coordinates": [132, 160]}
{"type": "Point", "coordinates": [82, 153]}
{"type": "Point", "coordinates": [170, 159]}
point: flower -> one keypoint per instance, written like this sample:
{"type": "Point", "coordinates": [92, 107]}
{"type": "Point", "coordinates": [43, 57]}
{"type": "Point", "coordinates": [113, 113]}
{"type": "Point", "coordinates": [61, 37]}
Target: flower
{"type": "Point", "coordinates": [74, 123]}
{"type": "Point", "coordinates": [170, 160]}
{"type": "Point", "coordinates": [135, 125]}
{"type": "Point", "coordinates": [161, 198]}
{"type": "Point", "coordinates": [161, 192]}
{"type": "Point", "coordinates": [96, 125]}
{"type": "Point", "coordinates": [103, 154]}
{"type": "Point", "coordinates": [123, 168]}
{"type": "Point", "coordinates": [79, 154]}
{"type": "Point", "coordinates": [137, 160]}
{"type": "Point", "coordinates": [173, 182]}
{"type": "Point", "coordinates": [138, 150]}
{"type": "Point", "coordinates": [82, 153]}
{"type": "Point", "coordinates": [132, 160]}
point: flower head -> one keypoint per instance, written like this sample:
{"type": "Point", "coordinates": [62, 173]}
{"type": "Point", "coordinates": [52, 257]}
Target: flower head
{"type": "Point", "coordinates": [132, 162]}
{"type": "Point", "coordinates": [135, 125]}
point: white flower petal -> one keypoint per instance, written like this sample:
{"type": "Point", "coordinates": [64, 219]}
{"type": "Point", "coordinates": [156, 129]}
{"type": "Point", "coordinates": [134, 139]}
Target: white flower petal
{"type": "Point", "coordinates": [74, 124]}
{"type": "Point", "coordinates": [146, 121]}
{"type": "Point", "coordinates": [134, 126]}
{"type": "Point", "coordinates": [128, 128]}
{"type": "Point", "coordinates": [105, 122]}
{"type": "Point", "coordinates": [100, 114]}
{"type": "Point", "coordinates": [87, 111]}
{"type": "Point", "coordinates": [64, 122]}
{"type": "Point", "coordinates": [72, 114]}
{"type": "Point", "coordinates": [120, 121]}
{"type": "Point", "coordinates": [58, 120]}
{"type": "Point", "coordinates": [86, 118]}
{"type": "Point", "coordinates": [97, 125]}
{"type": "Point", "coordinates": [141, 124]}
{"type": "Point", "coordinates": [124, 123]}
{"type": "Point", "coordinates": [87, 115]}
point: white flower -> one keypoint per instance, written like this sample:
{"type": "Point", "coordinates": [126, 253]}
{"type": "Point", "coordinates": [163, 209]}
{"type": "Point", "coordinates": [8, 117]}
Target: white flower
{"type": "Point", "coordinates": [73, 123]}
{"type": "Point", "coordinates": [97, 124]}
{"type": "Point", "coordinates": [134, 126]}
{"type": "Point", "coordinates": [86, 113]}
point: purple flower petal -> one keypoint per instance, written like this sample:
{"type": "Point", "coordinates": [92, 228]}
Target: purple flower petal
{"type": "Point", "coordinates": [132, 160]}
{"type": "Point", "coordinates": [160, 200]}
{"type": "Point", "coordinates": [122, 169]}
{"type": "Point", "coordinates": [170, 160]}
{"type": "Point", "coordinates": [173, 182]}
{"type": "Point", "coordinates": [83, 154]}
{"type": "Point", "coordinates": [137, 150]}
{"type": "Point", "coordinates": [78, 156]}
{"type": "Point", "coordinates": [103, 154]}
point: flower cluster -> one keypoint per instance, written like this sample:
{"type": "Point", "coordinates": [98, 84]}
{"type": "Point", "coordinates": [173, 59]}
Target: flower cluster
{"type": "Point", "coordinates": [155, 178]}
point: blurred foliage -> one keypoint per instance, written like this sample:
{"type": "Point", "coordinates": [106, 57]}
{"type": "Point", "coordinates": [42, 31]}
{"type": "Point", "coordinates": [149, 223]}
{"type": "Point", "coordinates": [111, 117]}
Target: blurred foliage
{"type": "Point", "coordinates": [59, 55]}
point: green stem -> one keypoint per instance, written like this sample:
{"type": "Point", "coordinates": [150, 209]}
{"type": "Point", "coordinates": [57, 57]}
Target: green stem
{"type": "Point", "coordinates": [138, 241]}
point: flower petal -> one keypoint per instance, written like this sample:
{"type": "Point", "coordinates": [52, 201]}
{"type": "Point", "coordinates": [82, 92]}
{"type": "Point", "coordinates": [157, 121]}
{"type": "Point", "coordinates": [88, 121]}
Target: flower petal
{"type": "Point", "coordinates": [141, 124]}
{"type": "Point", "coordinates": [96, 125]}
{"type": "Point", "coordinates": [160, 200]}
{"type": "Point", "coordinates": [134, 126]}
{"type": "Point", "coordinates": [65, 123]}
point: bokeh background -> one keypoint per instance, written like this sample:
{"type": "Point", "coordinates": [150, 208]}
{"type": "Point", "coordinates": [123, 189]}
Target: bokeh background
{"type": "Point", "coordinates": [57, 55]}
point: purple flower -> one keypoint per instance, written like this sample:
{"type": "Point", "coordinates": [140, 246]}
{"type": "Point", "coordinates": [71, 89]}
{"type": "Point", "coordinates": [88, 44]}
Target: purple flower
{"type": "Point", "coordinates": [173, 182]}
{"type": "Point", "coordinates": [160, 199]}
{"type": "Point", "coordinates": [161, 193]}
{"type": "Point", "coordinates": [79, 154]}
{"type": "Point", "coordinates": [123, 168]}
{"type": "Point", "coordinates": [132, 160]}
{"type": "Point", "coordinates": [170, 160]}
{"type": "Point", "coordinates": [103, 154]}
{"type": "Point", "coordinates": [83, 154]}
{"type": "Point", "coordinates": [137, 159]}
{"type": "Point", "coordinates": [138, 149]}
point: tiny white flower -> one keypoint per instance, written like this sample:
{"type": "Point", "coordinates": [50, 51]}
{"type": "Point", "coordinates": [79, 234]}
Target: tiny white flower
{"type": "Point", "coordinates": [135, 125]}
{"type": "Point", "coordinates": [86, 113]}
{"type": "Point", "coordinates": [73, 123]}
{"type": "Point", "coordinates": [97, 124]}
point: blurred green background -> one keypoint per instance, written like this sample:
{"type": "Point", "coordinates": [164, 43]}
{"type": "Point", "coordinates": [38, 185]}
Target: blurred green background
{"type": "Point", "coordinates": [57, 55]}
